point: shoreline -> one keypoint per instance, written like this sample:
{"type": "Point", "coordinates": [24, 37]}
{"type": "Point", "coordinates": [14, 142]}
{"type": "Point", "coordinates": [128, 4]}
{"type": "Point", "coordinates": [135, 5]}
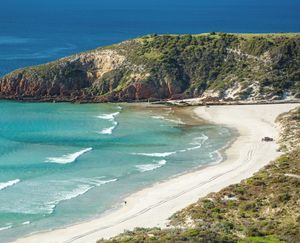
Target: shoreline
{"type": "Point", "coordinates": [152, 206]}
{"type": "Point", "coordinates": [166, 101]}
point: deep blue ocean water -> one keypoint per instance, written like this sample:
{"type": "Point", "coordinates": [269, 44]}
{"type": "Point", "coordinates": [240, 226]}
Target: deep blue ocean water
{"type": "Point", "coordinates": [37, 31]}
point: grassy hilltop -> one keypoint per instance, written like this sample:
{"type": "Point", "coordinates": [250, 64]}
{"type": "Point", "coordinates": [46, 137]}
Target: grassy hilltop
{"type": "Point", "coordinates": [213, 66]}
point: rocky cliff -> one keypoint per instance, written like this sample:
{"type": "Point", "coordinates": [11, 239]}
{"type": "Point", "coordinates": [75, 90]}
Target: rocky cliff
{"type": "Point", "coordinates": [214, 66]}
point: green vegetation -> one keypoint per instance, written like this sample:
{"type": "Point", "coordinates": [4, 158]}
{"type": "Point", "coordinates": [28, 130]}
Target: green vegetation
{"type": "Point", "coordinates": [261, 209]}
{"type": "Point", "coordinates": [258, 239]}
{"type": "Point", "coordinates": [259, 66]}
{"type": "Point", "coordinates": [215, 61]}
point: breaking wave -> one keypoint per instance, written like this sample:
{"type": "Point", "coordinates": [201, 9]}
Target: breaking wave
{"type": "Point", "coordinates": [177, 121]}
{"type": "Point", "coordinates": [216, 156]}
{"type": "Point", "coordinates": [81, 189]}
{"type": "Point", "coordinates": [198, 141]}
{"type": "Point", "coordinates": [111, 117]}
{"type": "Point", "coordinates": [109, 130]}
{"type": "Point", "coordinates": [5, 228]}
{"type": "Point", "coordinates": [165, 154]}
{"type": "Point", "coordinates": [68, 158]}
{"type": "Point", "coordinates": [4, 185]}
{"type": "Point", "coordinates": [26, 223]}
{"type": "Point", "coordinates": [149, 167]}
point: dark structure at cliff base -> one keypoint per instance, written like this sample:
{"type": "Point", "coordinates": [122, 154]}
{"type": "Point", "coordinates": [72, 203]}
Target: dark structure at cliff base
{"type": "Point", "coordinates": [214, 66]}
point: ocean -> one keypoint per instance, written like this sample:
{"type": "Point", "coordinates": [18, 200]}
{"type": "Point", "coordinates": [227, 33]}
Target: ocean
{"type": "Point", "coordinates": [63, 163]}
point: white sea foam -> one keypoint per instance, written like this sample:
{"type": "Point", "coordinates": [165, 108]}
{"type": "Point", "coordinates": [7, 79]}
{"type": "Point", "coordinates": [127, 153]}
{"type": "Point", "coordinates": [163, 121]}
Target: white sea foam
{"type": "Point", "coordinates": [191, 148]}
{"type": "Point", "coordinates": [78, 191]}
{"type": "Point", "coordinates": [178, 121]}
{"type": "Point", "coordinates": [98, 181]}
{"type": "Point", "coordinates": [198, 141]}
{"type": "Point", "coordinates": [165, 154]}
{"type": "Point", "coordinates": [111, 117]}
{"type": "Point", "coordinates": [109, 130]}
{"type": "Point", "coordinates": [202, 138]}
{"type": "Point", "coordinates": [68, 158]}
{"type": "Point", "coordinates": [26, 222]}
{"type": "Point", "coordinates": [158, 117]}
{"type": "Point", "coordinates": [64, 196]}
{"type": "Point", "coordinates": [6, 227]}
{"type": "Point", "coordinates": [194, 148]}
{"type": "Point", "coordinates": [149, 167]}
{"type": "Point", "coordinates": [216, 156]}
{"type": "Point", "coordinates": [57, 191]}
{"type": "Point", "coordinates": [4, 185]}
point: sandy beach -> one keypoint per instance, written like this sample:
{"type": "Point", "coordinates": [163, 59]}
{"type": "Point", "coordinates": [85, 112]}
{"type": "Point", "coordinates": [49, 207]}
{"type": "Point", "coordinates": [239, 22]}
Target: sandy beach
{"type": "Point", "coordinates": [154, 205]}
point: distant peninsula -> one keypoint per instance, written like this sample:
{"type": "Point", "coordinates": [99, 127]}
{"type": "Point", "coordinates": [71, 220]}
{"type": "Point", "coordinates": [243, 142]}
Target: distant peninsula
{"type": "Point", "coordinates": [213, 67]}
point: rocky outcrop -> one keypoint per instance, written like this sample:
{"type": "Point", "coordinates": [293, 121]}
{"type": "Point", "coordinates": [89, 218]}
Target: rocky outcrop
{"type": "Point", "coordinates": [211, 66]}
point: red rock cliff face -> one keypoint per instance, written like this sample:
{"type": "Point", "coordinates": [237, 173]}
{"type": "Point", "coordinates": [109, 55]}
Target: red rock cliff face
{"type": "Point", "coordinates": [91, 76]}
{"type": "Point", "coordinates": [21, 86]}
{"type": "Point", "coordinates": [139, 91]}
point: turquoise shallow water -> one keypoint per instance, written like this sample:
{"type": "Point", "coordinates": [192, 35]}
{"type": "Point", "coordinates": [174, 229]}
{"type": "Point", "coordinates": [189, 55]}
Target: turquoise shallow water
{"type": "Point", "coordinates": [62, 163]}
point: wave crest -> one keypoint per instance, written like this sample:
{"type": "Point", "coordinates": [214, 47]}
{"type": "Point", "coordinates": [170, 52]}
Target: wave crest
{"type": "Point", "coordinates": [164, 154]}
{"type": "Point", "coordinates": [216, 156]}
{"type": "Point", "coordinates": [87, 184]}
{"type": "Point", "coordinates": [26, 223]}
{"type": "Point", "coordinates": [68, 158]}
{"type": "Point", "coordinates": [198, 141]}
{"type": "Point", "coordinates": [149, 167]}
{"type": "Point", "coordinates": [5, 228]}
{"type": "Point", "coordinates": [109, 130]}
{"type": "Point", "coordinates": [4, 185]}
{"type": "Point", "coordinates": [177, 121]}
{"type": "Point", "coordinates": [111, 117]}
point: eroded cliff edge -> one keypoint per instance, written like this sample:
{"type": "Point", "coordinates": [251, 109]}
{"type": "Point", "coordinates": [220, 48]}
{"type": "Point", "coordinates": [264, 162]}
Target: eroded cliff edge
{"type": "Point", "coordinates": [213, 66]}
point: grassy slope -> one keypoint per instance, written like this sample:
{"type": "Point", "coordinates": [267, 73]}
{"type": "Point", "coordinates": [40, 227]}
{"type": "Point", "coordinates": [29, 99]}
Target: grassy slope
{"type": "Point", "coordinates": [200, 62]}
{"type": "Point", "coordinates": [263, 208]}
